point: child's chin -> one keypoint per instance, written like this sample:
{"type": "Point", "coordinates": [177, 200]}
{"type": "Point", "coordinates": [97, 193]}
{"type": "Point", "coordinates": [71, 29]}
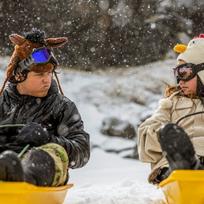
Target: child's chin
{"type": "Point", "coordinates": [41, 94]}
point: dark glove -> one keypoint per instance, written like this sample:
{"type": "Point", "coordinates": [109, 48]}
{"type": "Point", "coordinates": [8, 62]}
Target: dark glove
{"type": "Point", "coordinates": [33, 134]}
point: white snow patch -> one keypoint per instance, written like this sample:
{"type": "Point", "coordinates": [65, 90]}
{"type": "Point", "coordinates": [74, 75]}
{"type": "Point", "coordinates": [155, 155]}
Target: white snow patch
{"type": "Point", "coordinates": [112, 180]}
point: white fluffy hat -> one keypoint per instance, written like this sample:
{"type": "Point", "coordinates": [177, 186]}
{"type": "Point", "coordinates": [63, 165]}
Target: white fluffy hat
{"type": "Point", "coordinates": [192, 53]}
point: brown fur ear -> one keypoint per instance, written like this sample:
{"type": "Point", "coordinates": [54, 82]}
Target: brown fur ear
{"type": "Point", "coordinates": [56, 42]}
{"type": "Point", "coordinates": [17, 39]}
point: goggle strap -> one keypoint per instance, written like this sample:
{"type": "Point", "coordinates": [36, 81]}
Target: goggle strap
{"type": "Point", "coordinates": [54, 60]}
{"type": "Point", "coordinates": [199, 67]}
{"type": "Point", "coordinates": [24, 64]}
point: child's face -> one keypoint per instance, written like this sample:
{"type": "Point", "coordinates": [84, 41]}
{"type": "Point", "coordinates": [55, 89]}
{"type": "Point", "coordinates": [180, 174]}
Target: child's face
{"type": "Point", "coordinates": [189, 87]}
{"type": "Point", "coordinates": [36, 84]}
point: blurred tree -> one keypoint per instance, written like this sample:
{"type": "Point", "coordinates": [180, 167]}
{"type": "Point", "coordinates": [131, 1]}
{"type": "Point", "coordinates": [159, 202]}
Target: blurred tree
{"type": "Point", "coordinates": [101, 32]}
{"type": "Point", "coordinates": [193, 12]}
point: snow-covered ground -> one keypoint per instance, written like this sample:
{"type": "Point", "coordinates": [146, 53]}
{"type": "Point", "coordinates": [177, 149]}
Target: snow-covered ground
{"type": "Point", "coordinates": [129, 94]}
{"type": "Point", "coordinates": [108, 178]}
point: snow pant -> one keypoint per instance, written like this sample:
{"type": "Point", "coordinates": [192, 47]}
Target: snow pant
{"type": "Point", "coordinates": [51, 160]}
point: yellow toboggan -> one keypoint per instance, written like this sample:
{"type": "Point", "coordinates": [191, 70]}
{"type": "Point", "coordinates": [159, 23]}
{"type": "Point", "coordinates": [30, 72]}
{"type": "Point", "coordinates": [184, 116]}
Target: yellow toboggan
{"type": "Point", "coordinates": [24, 193]}
{"type": "Point", "coordinates": [184, 187]}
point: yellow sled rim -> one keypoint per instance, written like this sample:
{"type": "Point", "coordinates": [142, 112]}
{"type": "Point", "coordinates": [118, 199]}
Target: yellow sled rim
{"type": "Point", "coordinates": [184, 187]}
{"type": "Point", "coordinates": [24, 193]}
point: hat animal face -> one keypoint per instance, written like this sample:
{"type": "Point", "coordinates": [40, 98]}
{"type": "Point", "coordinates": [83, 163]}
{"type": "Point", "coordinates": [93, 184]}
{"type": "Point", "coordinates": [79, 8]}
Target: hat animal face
{"type": "Point", "coordinates": [196, 42]}
{"type": "Point", "coordinates": [25, 45]}
{"type": "Point", "coordinates": [193, 52]}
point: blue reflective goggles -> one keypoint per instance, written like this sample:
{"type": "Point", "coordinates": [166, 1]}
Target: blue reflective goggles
{"type": "Point", "coordinates": [41, 55]}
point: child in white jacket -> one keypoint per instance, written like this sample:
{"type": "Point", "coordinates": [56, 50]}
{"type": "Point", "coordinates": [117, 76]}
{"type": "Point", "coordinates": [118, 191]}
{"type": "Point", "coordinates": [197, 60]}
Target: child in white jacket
{"type": "Point", "coordinates": [173, 137]}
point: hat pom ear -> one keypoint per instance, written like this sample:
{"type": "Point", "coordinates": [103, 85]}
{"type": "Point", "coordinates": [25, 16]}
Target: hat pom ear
{"type": "Point", "coordinates": [16, 39]}
{"type": "Point", "coordinates": [56, 42]}
{"type": "Point", "coordinates": [179, 48]}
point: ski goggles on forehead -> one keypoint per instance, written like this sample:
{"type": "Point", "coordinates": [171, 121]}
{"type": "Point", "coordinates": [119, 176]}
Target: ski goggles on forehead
{"type": "Point", "coordinates": [41, 55]}
{"type": "Point", "coordinates": [186, 72]}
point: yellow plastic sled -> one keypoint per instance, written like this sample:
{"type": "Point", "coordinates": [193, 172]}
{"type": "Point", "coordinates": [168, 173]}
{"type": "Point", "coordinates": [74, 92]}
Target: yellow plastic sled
{"type": "Point", "coordinates": [184, 187]}
{"type": "Point", "coordinates": [24, 193]}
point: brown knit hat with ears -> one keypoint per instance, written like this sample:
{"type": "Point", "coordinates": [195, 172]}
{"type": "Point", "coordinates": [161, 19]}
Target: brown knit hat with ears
{"type": "Point", "coordinates": [24, 46]}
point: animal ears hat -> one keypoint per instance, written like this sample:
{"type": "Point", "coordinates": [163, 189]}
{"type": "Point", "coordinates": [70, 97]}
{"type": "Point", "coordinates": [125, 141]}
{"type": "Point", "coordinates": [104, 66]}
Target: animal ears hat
{"type": "Point", "coordinates": [23, 47]}
{"type": "Point", "coordinates": [192, 53]}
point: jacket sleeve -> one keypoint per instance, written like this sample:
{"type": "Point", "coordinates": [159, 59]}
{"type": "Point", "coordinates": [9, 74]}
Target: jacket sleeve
{"type": "Point", "coordinates": [148, 145]}
{"type": "Point", "coordinates": [71, 135]}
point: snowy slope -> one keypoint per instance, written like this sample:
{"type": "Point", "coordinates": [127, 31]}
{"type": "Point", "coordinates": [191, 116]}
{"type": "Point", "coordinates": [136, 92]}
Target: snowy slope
{"type": "Point", "coordinates": [111, 180]}
{"type": "Point", "coordinates": [128, 94]}
{"type": "Point", "coordinates": [108, 178]}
